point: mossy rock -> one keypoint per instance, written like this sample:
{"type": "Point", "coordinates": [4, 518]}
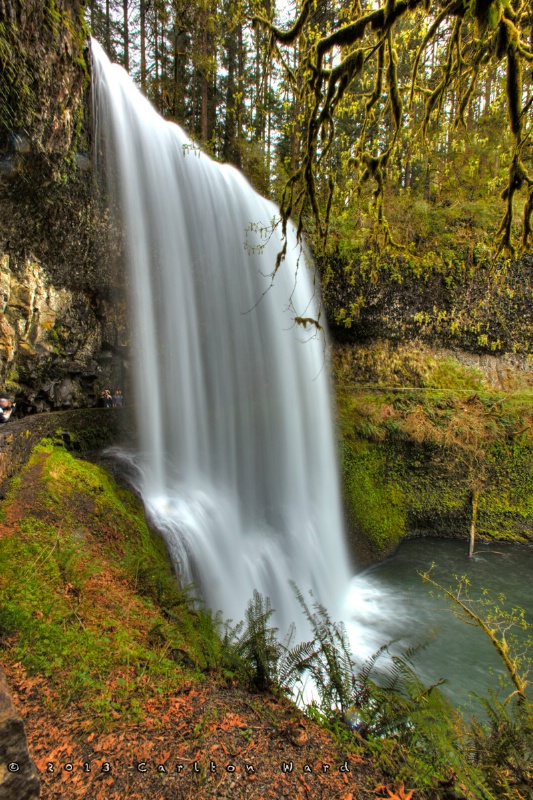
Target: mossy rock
{"type": "Point", "coordinates": [411, 460]}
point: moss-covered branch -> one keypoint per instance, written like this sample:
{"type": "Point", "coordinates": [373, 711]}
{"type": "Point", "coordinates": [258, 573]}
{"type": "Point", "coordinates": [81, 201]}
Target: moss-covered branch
{"type": "Point", "coordinates": [452, 49]}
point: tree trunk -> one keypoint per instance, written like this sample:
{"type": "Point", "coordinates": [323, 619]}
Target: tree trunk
{"type": "Point", "coordinates": [107, 29]}
{"type": "Point", "coordinates": [204, 132]}
{"type": "Point", "coordinates": [194, 102]}
{"type": "Point", "coordinates": [212, 91]}
{"type": "Point", "coordinates": [229, 149]}
{"type": "Point", "coordinates": [269, 125]}
{"type": "Point", "coordinates": [488, 90]}
{"type": "Point", "coordinates": [475, 502]}
{"type": "Point", "coordinates": [241, 65]}
{"type": "Point", "coordinates": [295, 143]}
{"type": "Point", "coordinates": [178, 91]}
{"type": "Point", "coordinates": [258, 122]}
{"type": "Point", "coordinates": [265, 132]}
{"type": "Point", "coordinates": [427, 183]}
{"type": "Point", "coordinates": [156, 61]}
{"type": "Point", "coordinates": [408, 173]}
{"type": "Point", "coordinates": [143, 44]}
{"type": "Point", "coordinates": [126, 36]}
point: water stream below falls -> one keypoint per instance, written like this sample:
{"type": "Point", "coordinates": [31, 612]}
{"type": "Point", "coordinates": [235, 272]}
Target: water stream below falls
{"type": "Point", "coordinates": [233, 397]}
{"type": "Point", "coordinates": [389, 602]}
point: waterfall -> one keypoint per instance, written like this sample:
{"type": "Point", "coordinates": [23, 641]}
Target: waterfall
{"type": "Point", "coordinates": [232, 396]}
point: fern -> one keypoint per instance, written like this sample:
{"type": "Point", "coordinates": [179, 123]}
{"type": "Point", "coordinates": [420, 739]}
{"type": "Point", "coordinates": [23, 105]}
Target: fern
{"type": "Point", "coordinates": [294, 664]}
{"type": "Point", "coordinates": [503, 746]}
{"type": "Point", "coordinates": [256, 645]}
{"type": "Point", "coordinates": [332, 668]}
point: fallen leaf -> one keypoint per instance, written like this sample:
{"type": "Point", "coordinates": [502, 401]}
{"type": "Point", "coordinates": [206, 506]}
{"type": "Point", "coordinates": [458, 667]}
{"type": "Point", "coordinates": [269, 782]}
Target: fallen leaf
{"type": "Point", "coordinates": [401, 794]}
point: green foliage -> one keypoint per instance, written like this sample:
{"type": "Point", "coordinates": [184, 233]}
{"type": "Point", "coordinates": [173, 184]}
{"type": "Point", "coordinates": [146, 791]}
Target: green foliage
{"type": "Point", "coordinates": [256, 645]}
{"type": "Point", "coordinates": [331, 666]}
{"type": "Point", "coordinates": [425, 731]}
{"type": "Point", "coordinates": [501, 746]}
{"type": "Point", "coordinates": [259, 656]}
{"type": "Point", "coordinates": [505, 629]}
{"type": "Point", "coordinates": [400, 70]}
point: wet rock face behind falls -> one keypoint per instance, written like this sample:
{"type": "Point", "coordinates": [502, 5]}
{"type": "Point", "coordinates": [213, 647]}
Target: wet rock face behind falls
{"type": "Point", "coordinates": [18, 775]}
{"type": "Point", "coordinates": [63, 332]}
{"type": "Point", "coordinates": [57, 346]}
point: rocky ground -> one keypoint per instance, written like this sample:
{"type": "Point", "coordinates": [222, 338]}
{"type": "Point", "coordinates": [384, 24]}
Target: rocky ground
{"type": "Point", "coordinates": [203, 741]}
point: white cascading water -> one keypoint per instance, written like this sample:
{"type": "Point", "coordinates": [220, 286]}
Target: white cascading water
{"type": "Point", "coordinates": [233, 398]}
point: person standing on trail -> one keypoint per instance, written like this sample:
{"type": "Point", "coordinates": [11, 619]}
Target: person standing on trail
{"type": "Point", "coordinates": [6, 408]}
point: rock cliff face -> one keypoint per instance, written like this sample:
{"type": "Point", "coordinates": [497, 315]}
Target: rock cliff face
{"type": "Point", "coordinates": [18, 775]}
{"type": "Point", "coordinates": [57, 346]}
{"type": "Point", "coordinates": [480, 308]}
{"type": "Point", "coordinates": [63, 327]}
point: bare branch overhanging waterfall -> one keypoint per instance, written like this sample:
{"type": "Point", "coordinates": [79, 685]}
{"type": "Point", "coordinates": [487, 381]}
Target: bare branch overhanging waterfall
{"type": "Point", "coordinates": [233, 399]}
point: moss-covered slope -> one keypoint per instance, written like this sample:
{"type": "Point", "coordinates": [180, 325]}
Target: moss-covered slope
{"type": "Point", "coordinates": [125, 688]}
{"type": "Point", "coordinates": [86, 590]}
{"type": "Point", "coordinates": [427, 435]}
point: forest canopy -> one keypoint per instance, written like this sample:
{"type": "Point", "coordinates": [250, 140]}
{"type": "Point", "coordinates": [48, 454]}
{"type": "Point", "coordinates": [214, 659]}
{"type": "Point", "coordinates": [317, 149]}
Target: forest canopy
{"type": "Point", "coordinates": [428, 67]}
{"type": "Point", "coordinates": [354, 110]}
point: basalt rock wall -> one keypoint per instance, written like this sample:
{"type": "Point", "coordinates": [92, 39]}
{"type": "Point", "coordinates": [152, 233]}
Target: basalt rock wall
{"type": "Point", "coordinates": [481, 309]}
{"type": "Point", "coordinates": [63, 326]}
{"type": "Point", "coordinates": [58, 346]}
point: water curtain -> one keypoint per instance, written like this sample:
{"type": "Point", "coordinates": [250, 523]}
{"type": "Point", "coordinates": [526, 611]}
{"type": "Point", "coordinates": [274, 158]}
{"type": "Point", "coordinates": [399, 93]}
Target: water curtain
{"type": "Point", "coordinates": [232, 396]}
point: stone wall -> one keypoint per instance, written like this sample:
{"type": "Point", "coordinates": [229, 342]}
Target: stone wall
{"type": "Point", "coordinates": [81, 430]}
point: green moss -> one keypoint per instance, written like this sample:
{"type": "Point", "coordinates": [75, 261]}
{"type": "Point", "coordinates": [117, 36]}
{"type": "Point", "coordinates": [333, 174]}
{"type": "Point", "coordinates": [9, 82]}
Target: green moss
{"type": "Point", "coordinates": [88, 597]}
{"type": "Point", "coordinates": [53, 16]}
{"type": "Point", "coordinates": [83, 491]}
{"type": "Point", "coordinates": [26, 77]}
{"type": "Point", "coordinates": [94, 431]}
{"type": "Point", "coordinates": [375, 505]}
{"type": "Point", "coordinates": [506, 504]}
{"type": "Point", "coordinates": [411, 459]}
{"type": "Point", "coordinates": [448, 373]}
